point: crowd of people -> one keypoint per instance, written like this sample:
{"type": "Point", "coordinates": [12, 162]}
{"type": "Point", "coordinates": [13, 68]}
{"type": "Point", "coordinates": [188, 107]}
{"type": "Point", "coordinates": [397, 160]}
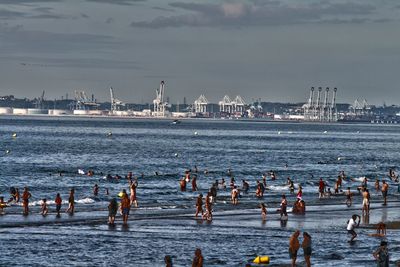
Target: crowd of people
{"type": "Point", "coordinates": [128, 200]}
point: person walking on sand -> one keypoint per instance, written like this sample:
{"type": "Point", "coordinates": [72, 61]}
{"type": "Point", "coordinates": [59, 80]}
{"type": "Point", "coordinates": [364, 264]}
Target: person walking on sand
{"type": "Point", "coordinates": [306, 245]}
{"type": "Point", "coordinates": [294, 246]}
{"type": "Point", "coordinates": [381, 255]}
{"type": "Point", "coordinates": [198, 258]}
{"type": "Point", "coordinates": [351, 224]}
{"type": "Point", "coordinates": [385, 188]}
{"type": "Point", "coordinates": [26, 195]}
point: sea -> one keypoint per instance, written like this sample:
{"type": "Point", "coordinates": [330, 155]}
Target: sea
{"type": "Point", "coordinates": [47, 154]}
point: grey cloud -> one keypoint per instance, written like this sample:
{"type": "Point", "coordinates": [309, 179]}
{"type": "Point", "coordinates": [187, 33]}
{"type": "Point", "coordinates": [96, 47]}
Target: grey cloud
{"type": "Point", "coordinates": [257, 13]}
{"type": "Point", "coordinates": [24, 2]}
{"type": "Point", "coordinates": [35, 62]}
{"type": "Point", "coordinates": [163, 9]}
{"type": "Point", "coordinates": [109, 20]}
{"type": "Point", "coordinates": [16, 38]}
{"type": "Point", "coordinates": [9, 14]}
{"type": "Point", "coordinates": [117, 2]}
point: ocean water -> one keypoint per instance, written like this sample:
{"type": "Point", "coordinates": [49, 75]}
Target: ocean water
{"type": "Point", "coordinates": [164, 223]}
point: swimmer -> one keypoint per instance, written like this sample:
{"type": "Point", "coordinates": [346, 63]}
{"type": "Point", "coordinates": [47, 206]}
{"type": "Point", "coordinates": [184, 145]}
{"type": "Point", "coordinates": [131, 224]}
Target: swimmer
{"type": "Point", "coordinates": [198, 258]}
{"type": "Point", "coordinates": [294, 246]}
{"type": "Point", "coordinates": [385, 188]}
{"type": "Point", "coordinates": [199, 205]}
{"type": "Point", "coordinates": [58, 202]}
{"type": "Point", "coordinates": [263, 211]}
{"type": "Point", "coordinates": [291, 185]}
{"type": "Point", "coordinates": [45, 209]}
{"type": "Point", "coordinates": [351, 224]}
{"type": "Point", "coordinates": [264, 179]}
{"type": "Point", "coordinates": [95, 190]}
{"type": "Point", "coordinates": [112, 211]}
{"type": "Point", "coordinates": [125, 207]}
{"type": "Point", "coordinates": [306, 245]}
{"type": "Point", "coordinates": [26, 195]}
{"type": "Point", "coordinates": [349, 196]}
{"type": "Point", "coordinates": [71, 202]}
{"type": "Point", "coordinates": [381, 229]}
{"type": "Point", "coordinates": [16, 195]}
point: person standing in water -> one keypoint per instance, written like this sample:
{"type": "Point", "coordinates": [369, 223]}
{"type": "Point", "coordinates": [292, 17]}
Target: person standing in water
{"type": "Point", "coordinates": [198, 258]}
{"type": "Point", "coordinates": [385, 188]}
{"type": "Point", "coordinates": [348, 197]}
{"type": "Point", "coordinates": [95, 190]}
{"type": "Point", "coordinates": [381, 255]}
{"type": "Point", "coordinates": [45, 208]}
{"type": "Point", "coordinates": [365, 203]}
{"type": "Point", "coordinates": [58, 202]}
{"type": "Point", "coordinates": [351, 224]}
{"type": "Point", "coordinates": [263, 211]}
{"type": "Point", "coordinates": [284, 203]}
{"type": "Point", "coordinates": [306, 245]}
{"type": "Point", "coordinates": [133, 198]}
{"type": "Point", "coordinates": [26, 195]}
{"type": "Point", "coordinates": [71, 202]}
{"type": "Point", "coordinates": [294, 246]}
{"type": "Point", "coordinates": [199, 205]}
{"type": "Point", "coordinates": [125, 207]}
{"type": "Point", "coordinates": [194, 183]}
{"type": "Point", "coordinates": [112, 211]}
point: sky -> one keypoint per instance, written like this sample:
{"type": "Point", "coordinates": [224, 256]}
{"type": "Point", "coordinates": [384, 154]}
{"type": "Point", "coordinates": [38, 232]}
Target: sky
{"type": "Point", "coordinates": [269, 49]}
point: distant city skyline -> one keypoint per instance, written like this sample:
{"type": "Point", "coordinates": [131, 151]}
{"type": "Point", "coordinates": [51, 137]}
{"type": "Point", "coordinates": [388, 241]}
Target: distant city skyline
{"type": "Point", "coordinates": [273, 50]}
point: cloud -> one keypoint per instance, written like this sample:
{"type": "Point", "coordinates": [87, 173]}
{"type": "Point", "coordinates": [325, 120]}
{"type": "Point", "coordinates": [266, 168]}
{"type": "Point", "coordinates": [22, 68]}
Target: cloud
{"type": "Point", "coordinates": [117, 2]}
{"type": "Point", "coordinates": [35, 13]}
{"type": "Point", "coordinates": [16, 38]}
{"type": "Point", "coordinates": [46, 62]}
{"type": "Point", "coordinates": [109, 20]}
{"type": "Point", "coordinates": [259, 13]}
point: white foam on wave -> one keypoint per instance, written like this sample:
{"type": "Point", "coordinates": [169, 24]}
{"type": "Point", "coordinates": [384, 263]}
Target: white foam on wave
{"type": "Point", "coordinates": [278, 187]}
{"type": "Point", "coordinates": [358, 178]}
{"type": "Point", "coordinates": [86, 200]}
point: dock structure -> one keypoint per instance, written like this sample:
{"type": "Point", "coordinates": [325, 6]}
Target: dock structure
{"type": "Point", "coordinates": [200, 104]}
{"type": "Point", "coordinates": [158, 102]}
{"type": "Point", "coordinates": [322, 111]}
{"type": "Point", "coordinates": [237, 106]}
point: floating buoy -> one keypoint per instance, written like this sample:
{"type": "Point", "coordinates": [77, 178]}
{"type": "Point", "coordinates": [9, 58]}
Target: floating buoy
{"type": "Point", "coordinates": [109, 134]}
{"type": "Point", "coordinates": [325, 132]}
{"type": "Point", "coordinates": [120, 194]}
{"type": "Point", "coordinates": [196, 133]}
{"type": "Point", "coordinates": [14, 135]}
{"type": "Point", "coordinates": [261, 259]}
{"type": "Point", "coordinates": [8, 151]}
{"type": "Point", "coordinates": [339, 158]}
{"type": "Point", "coordinates": [176, 155]}
{"type": "Point", "coordinates": [279, 132]}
